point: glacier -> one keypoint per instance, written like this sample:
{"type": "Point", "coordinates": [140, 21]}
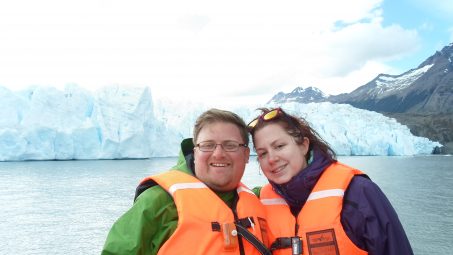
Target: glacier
{"type": "Point", "coordinates": [114, 122]}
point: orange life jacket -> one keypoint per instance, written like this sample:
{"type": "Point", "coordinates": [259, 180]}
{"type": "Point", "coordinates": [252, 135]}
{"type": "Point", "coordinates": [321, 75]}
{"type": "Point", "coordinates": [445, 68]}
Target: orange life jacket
{"type": "Point", "coordinates": [205, 222]}
{"type": "Point", "coordinates": [318, 223]}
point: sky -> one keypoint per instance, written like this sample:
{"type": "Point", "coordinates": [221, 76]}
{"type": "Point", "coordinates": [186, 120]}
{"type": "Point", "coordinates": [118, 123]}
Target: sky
{"type": "Point", "coordinates": [212, 50]}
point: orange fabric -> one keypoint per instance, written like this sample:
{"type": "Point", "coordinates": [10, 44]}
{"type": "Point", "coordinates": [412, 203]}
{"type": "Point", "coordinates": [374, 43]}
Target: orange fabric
{"type": "Point", "coordinates": [319, 220]}
{"type": "Point", "coordinates": [198, 206]}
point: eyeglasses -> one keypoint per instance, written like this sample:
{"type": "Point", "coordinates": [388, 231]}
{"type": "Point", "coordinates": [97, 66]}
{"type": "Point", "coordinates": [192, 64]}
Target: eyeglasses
{"type": "Point", "coordinates": [229, 146]}
{"type": "Point", "coordinates": [270, 115]}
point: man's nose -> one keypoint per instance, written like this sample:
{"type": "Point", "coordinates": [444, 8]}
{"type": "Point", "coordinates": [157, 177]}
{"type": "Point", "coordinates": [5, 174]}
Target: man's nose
{"type": "Point", "coordinates": [218, 150]}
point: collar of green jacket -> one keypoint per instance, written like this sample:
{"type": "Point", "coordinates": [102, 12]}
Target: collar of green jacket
{"type": "Point", "coordinates": [186, 157]}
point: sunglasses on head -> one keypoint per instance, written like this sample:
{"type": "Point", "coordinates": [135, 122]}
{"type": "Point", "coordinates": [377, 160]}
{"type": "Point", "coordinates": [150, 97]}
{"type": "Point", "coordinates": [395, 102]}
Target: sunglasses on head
{"type": "Point", "coordinates": [265, 116]}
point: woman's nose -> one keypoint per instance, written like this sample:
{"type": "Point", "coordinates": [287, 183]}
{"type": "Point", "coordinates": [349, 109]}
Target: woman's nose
{"type": "Point", "coordinates": [272, 157]}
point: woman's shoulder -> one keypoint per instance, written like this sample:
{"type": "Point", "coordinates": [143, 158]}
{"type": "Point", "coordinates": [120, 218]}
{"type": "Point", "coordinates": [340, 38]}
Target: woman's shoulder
{"type": "Point", "coordinates": [363, 192]}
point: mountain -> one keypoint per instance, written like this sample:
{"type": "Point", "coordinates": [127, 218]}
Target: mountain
{"type": "Point", "coordinates": [421, 98]}
{"type": "Point", "coordinates": [299, 94]}
{"type": "Point", "coordinates": [425, 89]}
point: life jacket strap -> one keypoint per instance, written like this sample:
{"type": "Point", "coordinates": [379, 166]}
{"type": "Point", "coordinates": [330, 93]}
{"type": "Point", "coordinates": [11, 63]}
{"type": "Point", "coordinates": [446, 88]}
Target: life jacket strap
{"type": "Point", "coordinates": [246, 222]}
{"type": "Point", "coordinates": [295, 243]}
{"type": "Point", "coordinates": [281, 243]}
{"type": "Point", "coordinates": [242, 231]}
{"type": "Point", "coordinates": [215, 226]}
{"type": "Point", "coordinates": [241, 228]}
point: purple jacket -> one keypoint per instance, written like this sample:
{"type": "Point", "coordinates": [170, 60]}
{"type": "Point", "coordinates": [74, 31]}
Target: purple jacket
{"type": "Point", "coordinates": [367, 217]}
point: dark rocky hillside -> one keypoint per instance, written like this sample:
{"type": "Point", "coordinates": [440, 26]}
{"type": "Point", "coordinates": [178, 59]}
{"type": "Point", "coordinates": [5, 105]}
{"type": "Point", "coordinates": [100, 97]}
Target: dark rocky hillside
{"type": "Point", "coordinates": [436, 127]}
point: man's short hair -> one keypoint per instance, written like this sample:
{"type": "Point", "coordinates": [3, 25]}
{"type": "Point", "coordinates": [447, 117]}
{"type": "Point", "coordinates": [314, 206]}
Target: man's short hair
{"type": "Point", "coordinates": [215, 115]}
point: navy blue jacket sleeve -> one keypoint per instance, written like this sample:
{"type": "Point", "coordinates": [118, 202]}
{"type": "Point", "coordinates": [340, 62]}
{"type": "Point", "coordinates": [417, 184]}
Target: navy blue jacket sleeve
{"type": "Point", "coordinates": [371, 222]}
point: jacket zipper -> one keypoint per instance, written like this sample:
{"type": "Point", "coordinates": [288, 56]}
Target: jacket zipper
{"type": "Point", "coordinates": [296, 228]}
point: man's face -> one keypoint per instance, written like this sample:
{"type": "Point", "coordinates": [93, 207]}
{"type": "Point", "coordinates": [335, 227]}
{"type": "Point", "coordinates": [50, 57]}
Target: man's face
{"type": "Point", "coordinates": [219, 169]}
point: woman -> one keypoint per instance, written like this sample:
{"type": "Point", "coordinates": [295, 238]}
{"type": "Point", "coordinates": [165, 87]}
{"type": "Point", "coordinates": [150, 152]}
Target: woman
{"type": "Point", "coordinates": [315, 204]}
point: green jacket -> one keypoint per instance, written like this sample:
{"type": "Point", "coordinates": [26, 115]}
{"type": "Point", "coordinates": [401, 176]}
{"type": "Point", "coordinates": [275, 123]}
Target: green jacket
{"type": "Point", "coordinates": [153, 218]}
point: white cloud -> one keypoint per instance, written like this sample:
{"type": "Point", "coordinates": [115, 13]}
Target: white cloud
{"type": "Point", "coordinates": [198, 48]}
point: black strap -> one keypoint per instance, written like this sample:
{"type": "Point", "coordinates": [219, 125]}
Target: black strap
{"type": "Point", "coordinates": [281, 243]}
{"type": "Point", "coordinates": [215, 226]}
{"type": "Point", "coordinates": [252, 239]}
{"type": "Point", "coordinates": [246, 222]}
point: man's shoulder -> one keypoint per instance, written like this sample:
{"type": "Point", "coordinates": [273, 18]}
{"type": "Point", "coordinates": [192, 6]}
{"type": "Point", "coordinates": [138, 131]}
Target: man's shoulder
{"type": "Point", "coordinates": [257, 191]}
{"type": "Point", "coordinates": [150, 190]}
{"type": "Point", "coordinates": [150, 182]}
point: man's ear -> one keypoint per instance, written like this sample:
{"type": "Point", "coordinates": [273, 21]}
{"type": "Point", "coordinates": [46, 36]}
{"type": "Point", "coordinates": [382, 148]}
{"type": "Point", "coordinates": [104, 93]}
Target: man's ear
{"type": "Point", "coordinates": [247, 151]}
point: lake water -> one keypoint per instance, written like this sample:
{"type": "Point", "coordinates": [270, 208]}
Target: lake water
{"type": "Point", "coordinates": [68, 207]}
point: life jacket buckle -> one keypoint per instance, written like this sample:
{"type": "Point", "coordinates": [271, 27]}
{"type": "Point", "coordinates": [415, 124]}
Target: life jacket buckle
{"type": "Point", "coordinates": [295, 243]}
{"type": "Point", "coordinates": [230, 236]}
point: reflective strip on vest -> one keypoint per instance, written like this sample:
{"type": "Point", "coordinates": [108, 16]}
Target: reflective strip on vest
{"type": "Point", "coordinates": [313, 196]}
{"type": "Point", "coordinates": [274, 201]}
{"type": "Point", "coordinates": [326, 193]}
{"type": "Point", "coordinates": [190, 185]}
{"type": "Point", "coordinates": [241, 188]}
{"type": "Point", "coordinates": [199, 185]}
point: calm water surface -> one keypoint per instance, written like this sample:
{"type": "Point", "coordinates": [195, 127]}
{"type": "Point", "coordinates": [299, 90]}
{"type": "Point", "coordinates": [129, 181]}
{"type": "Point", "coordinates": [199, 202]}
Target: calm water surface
{"type": "Point", "coordinates": [67, 207]}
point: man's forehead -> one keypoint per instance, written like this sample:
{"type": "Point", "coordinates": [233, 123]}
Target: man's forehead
{"type": "Point", "coordinates": [220, 130]}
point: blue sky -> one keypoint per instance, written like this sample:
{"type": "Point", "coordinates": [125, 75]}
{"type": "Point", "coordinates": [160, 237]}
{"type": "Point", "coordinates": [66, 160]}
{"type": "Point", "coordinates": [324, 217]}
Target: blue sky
{"type": "Point", "coordinates": [433, 21]}
{"type": "Point", "coordinates": [217, 50]}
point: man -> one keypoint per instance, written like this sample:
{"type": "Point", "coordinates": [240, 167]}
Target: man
{"type": "Point", "coordinates": [199, 207]}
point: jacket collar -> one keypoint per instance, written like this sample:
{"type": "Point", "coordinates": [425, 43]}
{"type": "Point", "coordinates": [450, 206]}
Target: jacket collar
{"type": "Point", "coordinates": [296, 191]}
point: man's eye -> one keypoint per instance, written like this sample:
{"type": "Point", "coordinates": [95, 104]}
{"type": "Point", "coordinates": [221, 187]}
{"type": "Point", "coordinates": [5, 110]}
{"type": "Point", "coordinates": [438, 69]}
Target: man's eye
{"type": "Point", "coordinates": [207, 145]}
{"type": "Point", "coordinates": [229, 145]}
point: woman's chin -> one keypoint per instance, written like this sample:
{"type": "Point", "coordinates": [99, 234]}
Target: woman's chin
{"type": "Point", "coordinates": [279, 179]}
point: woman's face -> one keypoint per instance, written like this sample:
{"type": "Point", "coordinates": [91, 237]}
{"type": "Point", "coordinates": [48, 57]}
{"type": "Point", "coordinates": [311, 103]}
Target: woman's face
{"type": "Point", "coordinates": [279, 156]}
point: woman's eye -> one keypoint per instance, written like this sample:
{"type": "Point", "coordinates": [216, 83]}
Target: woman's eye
{"type": "Point", "coordinates": [279, 146]}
